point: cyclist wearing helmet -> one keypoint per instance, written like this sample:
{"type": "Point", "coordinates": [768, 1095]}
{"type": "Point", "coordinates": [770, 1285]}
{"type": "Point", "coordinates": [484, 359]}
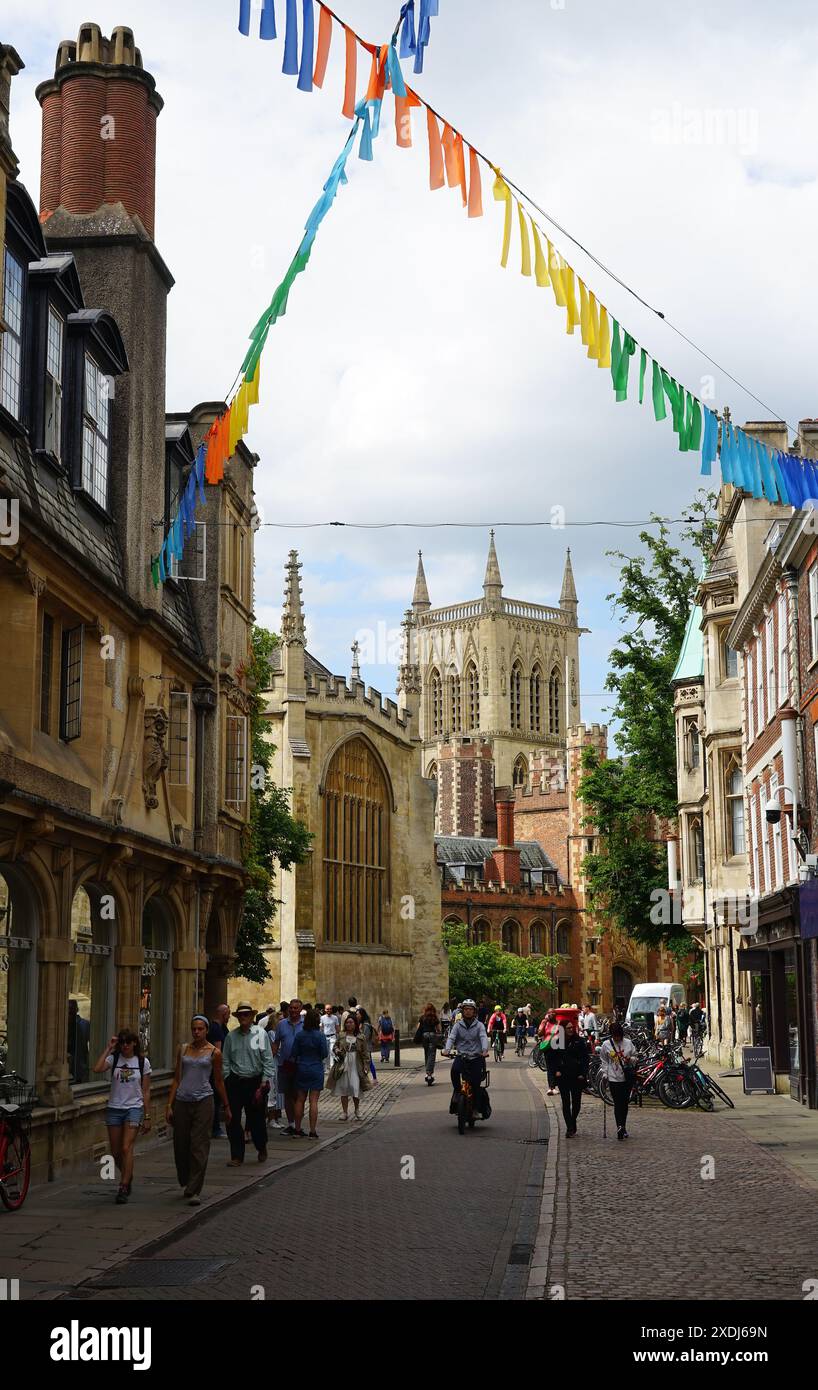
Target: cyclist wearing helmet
{"type": "Point", "coordinates": [469, 1037]}
{"type": "Point", "coordinates": [498, 1023]}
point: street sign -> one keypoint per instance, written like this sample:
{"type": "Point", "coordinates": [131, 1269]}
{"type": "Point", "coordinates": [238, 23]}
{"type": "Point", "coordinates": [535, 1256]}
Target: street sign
{"type": "Point", "coordinates": [757, 1069]}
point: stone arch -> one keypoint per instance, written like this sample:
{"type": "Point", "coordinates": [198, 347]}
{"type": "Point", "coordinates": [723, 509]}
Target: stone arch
{"type": "Point", "coordinates": [536, 939]}
{"type": "Point", "coordinates": [519, 775]}
{"type": "Point", "coordinates": [22, 922]}
{"type": "Point", "coordinates": [92, 1002]}
{"type": "Point", "coordinates": [339, 743]}
{"type": "Point", "coordinates": [481, 931]}
{"type": "Point", "coordinates": [562, 937]}
{"type": "Point", "coordinates": [510, 935]}
{"type": "Point", "coordinates": [355, 848]}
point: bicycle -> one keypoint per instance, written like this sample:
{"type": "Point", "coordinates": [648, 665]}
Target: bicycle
{"type": "Point", "coordinates": [497, 1044]}
{"type": "Point", "coordinates": [17, 1100]}
{"type": "Point", "coordinates": [463, 1104]}
{"type": "Point", "coordinates": [522, 1044]}
{"type": "Point", "coordinates": [538, 1053]}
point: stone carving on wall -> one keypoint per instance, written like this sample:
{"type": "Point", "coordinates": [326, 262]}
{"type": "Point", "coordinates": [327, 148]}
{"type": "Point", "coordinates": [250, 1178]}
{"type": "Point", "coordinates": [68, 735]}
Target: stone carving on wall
{"type": "Point", "coordinates": [155, 756]}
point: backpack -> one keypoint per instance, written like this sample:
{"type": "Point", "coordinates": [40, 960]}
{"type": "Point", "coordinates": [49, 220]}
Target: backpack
{"type": "Point", "coordinates": [387, 1029]}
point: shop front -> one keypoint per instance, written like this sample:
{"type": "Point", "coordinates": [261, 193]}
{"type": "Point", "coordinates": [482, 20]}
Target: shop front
{"type": "Point", "coordinates": [780, 967]}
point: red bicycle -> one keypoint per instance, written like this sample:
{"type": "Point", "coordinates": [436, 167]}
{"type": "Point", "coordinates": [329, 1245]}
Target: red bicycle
{"type": "Point", "coordinates": [17, 1100]}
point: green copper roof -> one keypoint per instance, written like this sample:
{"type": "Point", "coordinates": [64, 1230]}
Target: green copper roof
{"type": "Point", "coordinates": [691, 658]}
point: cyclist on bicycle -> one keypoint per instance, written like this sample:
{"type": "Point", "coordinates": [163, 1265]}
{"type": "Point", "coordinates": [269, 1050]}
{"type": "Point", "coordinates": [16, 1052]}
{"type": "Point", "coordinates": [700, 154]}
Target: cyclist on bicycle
{"type": "Point", "coordinates": [520, 1028]}
{"type": "Point", "coordinates": [497, 1026]}
{"type": "Point", "coordinates": [468, 1036]}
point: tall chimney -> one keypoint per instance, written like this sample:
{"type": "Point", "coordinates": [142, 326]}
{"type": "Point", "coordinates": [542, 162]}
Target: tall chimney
{"type": "Point", "coordinates": [99, 128]}
{"type": "Point", "coordinates": [506, 856]}
{"type": "Point", "coordinates": [97, 201]}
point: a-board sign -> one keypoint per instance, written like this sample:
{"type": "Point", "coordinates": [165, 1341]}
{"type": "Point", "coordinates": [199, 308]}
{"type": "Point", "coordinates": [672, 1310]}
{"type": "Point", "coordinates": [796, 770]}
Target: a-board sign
{"type": "Point", "coordinates": [757, 1070]}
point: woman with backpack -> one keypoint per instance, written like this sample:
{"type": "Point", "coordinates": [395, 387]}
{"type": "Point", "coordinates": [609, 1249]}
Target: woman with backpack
{"type": "Point", "coordinates": [386, 1034]}
{"type": "Point", "coordinates": [549, 1035]}
{"type": "Point", "coordinates": [190, 1107]}
{"type": "Point", "coordinates": [430, 1034]}
{"type": "Point", "coordinates": [615, 1057]}
{"type": "Point", "coordinates": [128, 1107]}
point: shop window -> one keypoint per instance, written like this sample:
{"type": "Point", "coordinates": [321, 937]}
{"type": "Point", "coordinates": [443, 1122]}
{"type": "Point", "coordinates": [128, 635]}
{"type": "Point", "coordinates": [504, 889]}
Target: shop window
{"type": "Point", "coordinates": [18, 978]}
{"type": "Point", "coordinates": [156, 995]}
{"type": "Point", "coordinates": [91, 993]}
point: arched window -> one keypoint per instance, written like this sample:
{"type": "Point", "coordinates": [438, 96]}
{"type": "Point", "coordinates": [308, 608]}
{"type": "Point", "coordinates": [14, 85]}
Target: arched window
{"type": "Point", "coordinates": [734, 806]}
{"type": "Point", "coordinates": [472, 697]}
{"type": "Point", "coordinates": [356, 846]}
{"type": "Point", "coordinates": [519, 776]}
{"type": "Point", "coordinates": [436, 703]}
{"type": "Point", "coordinates": [91, 988]}
{"type": "Point", "coordinates": [516, 710]}
{"type": "Point", "coordinates": [563, 939]}
{"type": "Point", "coordinates": [696, 851]}
{"type": "Point", "coordinates": [511, 937]}
{"type": "Point", "coordinates": [432, 772]}
{"type": "Point", "coordinates": [480, 932]}
{"type": "Point", "coordinates": [535, 697]}
{"type": "Point", "coordinates": [18, 973]}
{"type": "Point", "coordinates": [156, 1005]}
{"type": "Point", "coordinates": [536, 937]}
{"type": "Point", "coordinates": [554, 700]}
{"type": "Point", "coordinates": [454, 703]}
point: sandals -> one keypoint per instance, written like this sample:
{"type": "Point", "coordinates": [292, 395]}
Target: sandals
{"type": "Point", "coordinates": [313, 1134]}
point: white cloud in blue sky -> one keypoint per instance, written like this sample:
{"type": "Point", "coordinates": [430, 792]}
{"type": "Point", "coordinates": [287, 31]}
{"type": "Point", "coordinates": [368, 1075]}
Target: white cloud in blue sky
{"type": "Point", "coordinates": [413, 379]}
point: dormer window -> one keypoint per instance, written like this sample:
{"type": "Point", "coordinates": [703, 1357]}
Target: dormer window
{"type": "Point", "coordinates": [95, 434]}
{"type": "Point", "coordinates": [52, 437]}
{"type": "Point", "coordinates": [11, 362]}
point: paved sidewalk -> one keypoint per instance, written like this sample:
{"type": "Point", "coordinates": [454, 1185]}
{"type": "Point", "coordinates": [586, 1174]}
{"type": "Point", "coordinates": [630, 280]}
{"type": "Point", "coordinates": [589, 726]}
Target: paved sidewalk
{"type": "Point", "coordinates": [776, 1123]}
{"type": "Point", "coordinates": [689, 1205]}
{"type": "Point", "coordinates": [71, 1229]}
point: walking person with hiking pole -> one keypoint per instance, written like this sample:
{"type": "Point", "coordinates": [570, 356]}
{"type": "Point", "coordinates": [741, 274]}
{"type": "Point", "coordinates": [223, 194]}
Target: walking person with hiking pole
{"type": "Point", "coordinates": [616, 1055]}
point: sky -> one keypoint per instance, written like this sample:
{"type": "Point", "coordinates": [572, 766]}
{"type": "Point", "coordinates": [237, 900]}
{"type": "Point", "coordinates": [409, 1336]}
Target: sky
{"type": "Point", "coordinates": [413, 380]}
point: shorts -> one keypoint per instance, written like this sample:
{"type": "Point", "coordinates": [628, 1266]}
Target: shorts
{"type": "Point", "coordinates": [118, 1115]}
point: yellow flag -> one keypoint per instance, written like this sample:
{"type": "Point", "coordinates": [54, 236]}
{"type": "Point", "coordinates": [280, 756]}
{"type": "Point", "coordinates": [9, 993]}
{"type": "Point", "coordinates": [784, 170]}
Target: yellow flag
{"type": "Point", "coordinates": [234, 435]}
{"type": "Point", "coordinates": [525, 268]}
{"type": "Point", "coordinates": [570, 298]}
{"type": "Point", "coordinates": [604, 357]}
{"type": "Point", "coordinates": [502, 192]}
{"type": "Point", "coordinates": [540, 265]}
{"type": "Point", "coordinates": [556, 275]}
{"type": "Point", "coordinates": [593, 326]}
{"type": "Point", "coordinates": [584, 313]}
{"type": "Point", "coordinates": [252, 386]}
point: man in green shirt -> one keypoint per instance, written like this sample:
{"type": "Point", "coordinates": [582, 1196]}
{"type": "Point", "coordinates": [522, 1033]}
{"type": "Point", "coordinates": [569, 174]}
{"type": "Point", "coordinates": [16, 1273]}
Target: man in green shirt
{"type": "Point", "coordinates": [248, 1063]}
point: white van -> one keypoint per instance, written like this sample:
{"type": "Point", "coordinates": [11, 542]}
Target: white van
{"type": "Point", "coordinates": [646, 998]}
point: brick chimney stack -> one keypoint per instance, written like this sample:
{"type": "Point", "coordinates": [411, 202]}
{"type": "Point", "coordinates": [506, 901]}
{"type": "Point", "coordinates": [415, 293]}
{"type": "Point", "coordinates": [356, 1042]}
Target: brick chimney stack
{"type": "Point", "coordinates": [506, 857]}
{"type": "Point", "coordinates": [99, 128]}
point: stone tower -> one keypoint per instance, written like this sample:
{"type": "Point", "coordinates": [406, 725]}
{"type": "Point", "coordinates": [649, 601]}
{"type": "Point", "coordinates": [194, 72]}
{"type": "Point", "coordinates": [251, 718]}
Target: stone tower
{"type": "Point", "coordinates": [499, 689]}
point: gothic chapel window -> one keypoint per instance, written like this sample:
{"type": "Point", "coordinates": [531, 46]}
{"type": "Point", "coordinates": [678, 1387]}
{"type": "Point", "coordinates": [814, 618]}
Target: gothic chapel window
{"type": "Point", "coordinates": [516, 696]}
{"type": "Point", "coordinates": [356, 847]}
{"type": "Point", "coordinates": [454, 704]}
{"type": "Point", "coordinates": [536, 700]}
{"type": "Point", "coordinates": [554, 702]}
{"type": "Point", "coordinates": [473, 696]}
{"type": "Point", "coordinates": [436, 696]}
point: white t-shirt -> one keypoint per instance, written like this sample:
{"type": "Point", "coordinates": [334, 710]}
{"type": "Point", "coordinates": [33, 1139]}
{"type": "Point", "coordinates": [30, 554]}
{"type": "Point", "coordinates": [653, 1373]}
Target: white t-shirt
{"type": "Point", "coordinates": [126, 1083]}
{"type": "Point", "coordinates": [610, 1064]}
{"type": "Point", "coordinates": [329, 1026]}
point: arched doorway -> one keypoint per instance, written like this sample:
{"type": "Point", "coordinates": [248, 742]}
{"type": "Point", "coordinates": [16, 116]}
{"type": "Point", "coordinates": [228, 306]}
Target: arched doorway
{"type": "Point", "coordinates": [622, 985]}
{"type": "Point", "coordinates": [19, 919]}
{"type": "Point", "coordinates": [91, 1002]}
{"type": "Point", "coordinates": [156, 999]}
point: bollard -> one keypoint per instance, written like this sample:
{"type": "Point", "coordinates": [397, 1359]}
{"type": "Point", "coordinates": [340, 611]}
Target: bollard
{"type": "Point", "coordinates": [397, 1047]}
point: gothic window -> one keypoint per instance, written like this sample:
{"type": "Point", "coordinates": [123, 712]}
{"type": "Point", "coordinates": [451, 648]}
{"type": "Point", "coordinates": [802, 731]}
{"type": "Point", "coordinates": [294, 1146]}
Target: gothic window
{"type": "Point", "coordinates": [691, 741]}
{"type": "Point", "coordinates": [563, 940]}
{"type": "Point", "coordinates": [536, 939]}
{"type": "Point", "coordinates": [554, 698]}
{"type": "Point", "coordinates": [519, 776]}
{"type": "Point", "coordinates": [511, 937]}
{"type": "Point", "coordinates": [696, 843]}
{"type": "Point", "coordinates": [432, 773]}
{"type": "Point", "coordinates": [734, 805]}
{"type": "Point", "coordinates": [436, 694]}
{"type": "Point", "coordinates": [473, 696]}
{"type": "Point", "coordinates": [454, 704]}
{"type": "Point", "coordinates": [481, 932]}
{"type": "Point", "coordinates": [535, 693]}
{"type": "Point", "coordinates": [516, 696]}
{"type": "Point", "coordinates": [356, 847]}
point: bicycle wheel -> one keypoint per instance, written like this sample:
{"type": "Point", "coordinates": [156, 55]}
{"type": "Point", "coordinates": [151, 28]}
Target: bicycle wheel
{"type": "Point", "coordinates": [717, 1091]}
{"type": "Point", "coordinates": [675, 1092]}
{"type": "Point", "coordinates": [704, 1100]}
{"type": "Point", "coordinates": [462, 1111]}
{"type": "Point", "coordinates": [15, 1174]}
{"type": "Point", "coordinates": [605, 1090]}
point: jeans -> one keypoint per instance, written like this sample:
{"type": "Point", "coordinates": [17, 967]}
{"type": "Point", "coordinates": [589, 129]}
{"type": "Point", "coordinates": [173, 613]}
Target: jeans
{"type": "Point", "coordinates": [571, 1093]}
{"type": "Point", "coordinates": [551, 1068]}
{"type": "Point", "coordinates": [430, 1049]}
{"type": "Point", "coordinates": [240, 1092]}
{"type": "Point", "coordinates": [385, 1050]}
{"type": "Point", "coordinates": [620, 1090]}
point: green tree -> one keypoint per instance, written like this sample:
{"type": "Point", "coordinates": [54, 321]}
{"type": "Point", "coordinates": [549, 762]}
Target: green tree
{"type": "Point", "coordinates": [624, 795]}
{"type": "Point", "coordinates": [487, 970]}
{"type": "Point", "coordinates": [273, 833]}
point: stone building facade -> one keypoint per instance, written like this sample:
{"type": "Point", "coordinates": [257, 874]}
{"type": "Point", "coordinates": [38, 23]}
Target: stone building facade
{"type": "Point", "coordinates": [362, 916]}
{"type": "Point", "coordinates": [123, 707]}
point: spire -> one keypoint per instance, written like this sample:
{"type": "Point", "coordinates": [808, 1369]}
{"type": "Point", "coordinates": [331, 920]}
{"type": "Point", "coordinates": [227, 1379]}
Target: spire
{"type": "Point", "coordinates": [568, 595]}
{"type": "Point", "coordinates": [408, 686]}
{"type": "Point", "coordinates": [356, 665]}
{"type": "Point", "coordinates": [421, 602]}
{"type": "Point", "coordinates": [493, 584]}
{"type": "Point", "coordinates": [292, 616]}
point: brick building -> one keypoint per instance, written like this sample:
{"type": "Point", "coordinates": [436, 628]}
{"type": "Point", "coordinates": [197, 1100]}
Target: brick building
{"type": "Point", "coordinates": [123, 707]}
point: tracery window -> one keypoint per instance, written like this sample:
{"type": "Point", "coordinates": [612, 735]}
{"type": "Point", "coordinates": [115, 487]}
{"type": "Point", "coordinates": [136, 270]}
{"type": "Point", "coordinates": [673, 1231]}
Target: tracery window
{"type": "Point", "coordinates": [516, 696]}
{"type": "Point", "coordinates": [436, 697]}
{"type": "Point", "coordinates": [356, 847]}
{"type": "Point", "coordinates": [554, 685]}
{"type": "Point", "coordinates": [473, 696]}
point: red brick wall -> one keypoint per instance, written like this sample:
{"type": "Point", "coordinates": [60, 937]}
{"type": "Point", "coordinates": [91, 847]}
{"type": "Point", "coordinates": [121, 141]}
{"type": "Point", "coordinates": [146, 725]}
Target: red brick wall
{"type": "Point", "coordinates": [543, 817]}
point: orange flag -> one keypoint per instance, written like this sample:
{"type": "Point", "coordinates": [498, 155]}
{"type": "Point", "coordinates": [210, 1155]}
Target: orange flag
{"type": "Point", "coordinates": [436, 179]}
{"type": "Point", "coordinates": [461, 167]}
{"type": "Point", "coordinates": [452, 175]}
{"type": "Point", "coordinates": [475, 186]}
{"type": "Point", "coordinates": [322, 53]}
{"type": "Point", "coordinates": [351, 74]}
{"type": "Point", "coordinates": [403, 121]}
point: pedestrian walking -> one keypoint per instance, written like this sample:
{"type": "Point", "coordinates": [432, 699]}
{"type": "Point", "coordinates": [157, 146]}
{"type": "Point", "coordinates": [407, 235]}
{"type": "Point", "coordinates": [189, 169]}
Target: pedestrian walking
{"type": "Point", "coordinates": [549, 1033]}
{"type": "Point", "coordinates": [128, 1108]}
{"type": "Point", "coordinates": [352, 1004]}
{"type": "Point", "coordinates": [198, 1078]}
{"type": "Point", "coordinates": [614, 1057]}
{"type": "Point", "coordinates": [309, 1050]}
{"type": "Point", "coordinates": [386, 1034]}
{"type": "Point", "coordinates": [683, 1023]}
{"type": "Point", "coordinates": [349, 1073]}
{"type": "Point", "coordinates": [216, 1034]}
{"type": "Point", "coordinates": [664, 1027]}
{"type": "Point", "coordinates": [446, 1018]}
{"type": "Point", "coordinates": [247, 1065]}
{"type": "Point", "coordinates": [367, 1028]}
{"type": "Point", "coordinates": [330, 1027]}
{"type": "Point", "coordinates": [283, 1040]}
{"type": "Point", "coordinates": [571, 1073]}
{"type": "Point", "coordinates": [429, 1034]}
